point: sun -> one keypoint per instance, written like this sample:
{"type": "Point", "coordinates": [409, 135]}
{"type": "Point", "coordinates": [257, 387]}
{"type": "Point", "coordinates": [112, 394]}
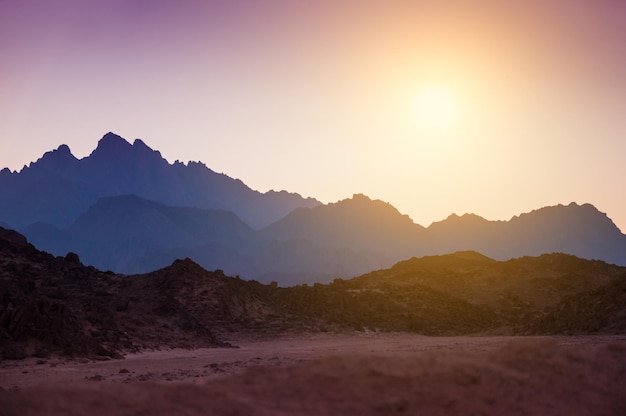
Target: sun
{"type": "Point", "coordinates": [435, 108]}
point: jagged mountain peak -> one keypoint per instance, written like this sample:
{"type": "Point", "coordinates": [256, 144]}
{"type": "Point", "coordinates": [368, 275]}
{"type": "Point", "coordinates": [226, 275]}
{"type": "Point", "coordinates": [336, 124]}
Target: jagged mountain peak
{"type": "Point", "coordinates": [111, 141]}
{"type": "Point", "coordinates": [138, 143]}
{"type": "Point", "coordinates": [142, 148]}
{"type": "Point", "coordinates": [112, 146]}
{"type": "Point", "coordinates": [63, 150]}
{"type": "Point", "coordinates": [53, 162]}
{"type": "Point", "coordinates": [60, 155]}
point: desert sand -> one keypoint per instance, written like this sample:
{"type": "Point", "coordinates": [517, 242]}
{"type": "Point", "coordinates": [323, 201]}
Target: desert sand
{"type": "Point", "coordinates": [360, 374]}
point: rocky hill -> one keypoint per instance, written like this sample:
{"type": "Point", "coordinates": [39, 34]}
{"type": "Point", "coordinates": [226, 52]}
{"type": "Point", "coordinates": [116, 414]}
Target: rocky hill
{"type": "Point", "coordinates": [56, 304]}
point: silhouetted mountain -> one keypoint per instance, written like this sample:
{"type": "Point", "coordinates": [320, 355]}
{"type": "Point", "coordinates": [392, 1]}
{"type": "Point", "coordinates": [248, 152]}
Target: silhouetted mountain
{"type": "Point", "coordinates": [57, 304]}
{"type": "Point", "coordinates": [378, 230]}
{"type": "Point", "coordinates": [132, 235]}
{"type": "Point", "coordinates": [358, 223]}
{"type": "Point", "coordinates": [59, 187]}
{"type": "Point", "coordinates": [126, 209]}
{"type": "Point", "coordinates": [580, 230]}
{"type": "Point", "coordinates": [128, 234]}
{"type": "Point", "coordinates": [50, 190]}
{"type": "Point", "coordinates": [344, 239]}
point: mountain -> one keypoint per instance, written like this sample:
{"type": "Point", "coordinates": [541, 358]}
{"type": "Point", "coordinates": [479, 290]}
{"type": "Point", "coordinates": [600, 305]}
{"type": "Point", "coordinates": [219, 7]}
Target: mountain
{"type": "Point", "coordinates": [344, 239]}
{"type": "Point", "coordinates": [132, 235]}
{"type": "Point", "coordinates": [359, 223]}
{"type": "Point", "coordinates": [379, 231]}
{"type": "Point", "coordinates": [57, 304]}
{"type": "Point", "coordinates": [575, 229]}
{"type": "Point", "coordinates": [124, 208]}
{"type": "Point", "coordinates": [58, 187]}
{"type": "Point", "coordinates": [527, 295]}
{"type": "Point", "coordinates": [128, 234]}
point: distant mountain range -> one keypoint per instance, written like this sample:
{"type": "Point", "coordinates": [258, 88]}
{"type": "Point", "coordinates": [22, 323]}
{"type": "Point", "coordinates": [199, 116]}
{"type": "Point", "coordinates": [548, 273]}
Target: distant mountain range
{"type": "Point", "coordinates": [126, 209]}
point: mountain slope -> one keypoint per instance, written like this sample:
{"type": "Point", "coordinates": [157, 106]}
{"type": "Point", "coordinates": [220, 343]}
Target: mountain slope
{"type": "Point", "coordinates": [57, 304]}
{"type": "Point", "coordinates": [359, 223]}
{"type": "Point", "coordinates": [575, 229]}
{"type": "Point", "coordinates": [466, 292]}
{"type": "Point", "coordinates": [129, 234]}
{"type": "Point", "coordinates": [58, 187]}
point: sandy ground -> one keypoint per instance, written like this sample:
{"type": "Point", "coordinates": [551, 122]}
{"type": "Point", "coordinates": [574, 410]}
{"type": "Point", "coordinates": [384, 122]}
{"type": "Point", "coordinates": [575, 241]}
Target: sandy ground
{"type": "Point", "coordinates": [365, 374]}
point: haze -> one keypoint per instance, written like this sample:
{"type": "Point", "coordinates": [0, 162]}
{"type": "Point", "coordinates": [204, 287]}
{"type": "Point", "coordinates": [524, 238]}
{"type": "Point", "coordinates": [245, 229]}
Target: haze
{"type": "Point", "coordinates": [524, 101]}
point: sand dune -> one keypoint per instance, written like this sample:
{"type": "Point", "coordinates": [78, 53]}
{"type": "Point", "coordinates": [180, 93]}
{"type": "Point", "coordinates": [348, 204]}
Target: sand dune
{"type": "Point", "coordinates": [335, 375]}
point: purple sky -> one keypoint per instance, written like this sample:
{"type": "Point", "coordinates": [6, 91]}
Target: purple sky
{"type": "Point", "coordinates": [318, 97]}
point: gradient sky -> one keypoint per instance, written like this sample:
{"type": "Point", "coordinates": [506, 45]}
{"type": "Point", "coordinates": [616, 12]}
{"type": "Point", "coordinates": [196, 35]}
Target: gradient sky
{"type": "Point", "coordinates": [319, 97]}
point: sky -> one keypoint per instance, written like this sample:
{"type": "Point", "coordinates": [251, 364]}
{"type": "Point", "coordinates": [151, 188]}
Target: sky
{"type": "Point", "coordinates": [437, 107]}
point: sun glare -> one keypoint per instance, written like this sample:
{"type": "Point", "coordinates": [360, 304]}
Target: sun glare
{"type": "Point", "coordinates": [435, 109]}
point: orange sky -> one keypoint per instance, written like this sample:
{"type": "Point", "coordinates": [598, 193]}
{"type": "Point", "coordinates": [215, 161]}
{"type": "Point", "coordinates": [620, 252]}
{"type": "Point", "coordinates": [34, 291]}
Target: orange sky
{"type": "Point", "coordinates": [320, 97]}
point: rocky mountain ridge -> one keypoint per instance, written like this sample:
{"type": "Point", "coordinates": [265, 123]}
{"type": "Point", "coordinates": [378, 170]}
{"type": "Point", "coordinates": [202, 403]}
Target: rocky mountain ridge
{"type": "Point", "coordinates": [58, 187]}
{"type": "Point", "coordinates": [56, 304]}
{"type": "Point", "coordinates": [124, 208]}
